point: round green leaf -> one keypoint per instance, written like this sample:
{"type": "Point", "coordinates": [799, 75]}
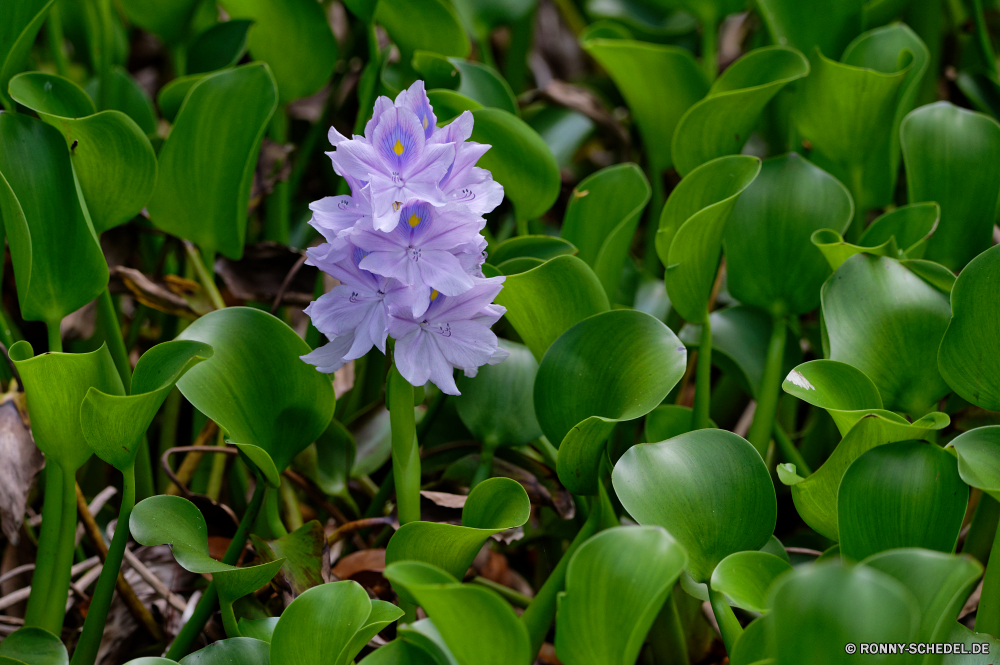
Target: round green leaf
{"type": "Point", "coordinates": [113, 425]}
{"type": "Point", "coordinates": [745, 577]}
{"type": "Point", "coordinates": [55, 386]}
{"type": "Point", "coordinates": [544, 302]}
{"type": "Point", "coordinates": [242, 650]}
{"type": "Point", "coordinates": [449, 104]}
{"type": "Point", "coordinates": [601, 218]}
{"type": "Point", "coordinates": [497, 405]}
{"type": "Point", "coordinates": [519, 160]}
{"type": "Point", "coordinates": [616, 583]}
{"type": "Point", "coordinates": [112, 159]}
{"type": "Point", "coordinates": [978, 453]}
{"type": "Point", "coordinates": [128, 97]}
{"type": "Point", "coordinates": [18, 30]}
{"type": "Point", "coordinates": [598, 373]}
{"type": "Point", "coordinates": [294, 38]}
{"type": "Point", "coordinates": [752, 646]}
{"type": "Point", "coordinates": [774, 218]}
{"type": "Point", "coordinates": [219, 47]}
{"type": "Point", "coordinates": [969, 357]}
{"type": "Point", "coordinates": [207, 163]}
{"type": "Point", "coordinates": [888, 322]}
{"type": "Point", "coordinates": [900, 234]}
{"type": "Point", "coordinates": [302, 551]}
{"type": "Point", "coordinates": [843, 390]}
{"type": "Point", "coordinates": [259, 629]}
{"type": "Point", "coordinates": [949, 154]}
{"type": "Point", "coordinates": [399, 652]}
{"type": "Point", "coordinates": [815, 497]}
{"type": "Point", "coordinates": [940, 582]}
{"type": "Point", "coordinates": [260, 459]}
{"type": "Point", "coordinates": [470, 79]}
{"type": "Point", "coordinates": [807, 27]}
{"type": "Point", "coordinates": [428, 25]}
{"type": "Point", "coordinates": [168, 19]}
{"type": "Point", "coordinates": [720, 124]}
{"type": "Point", "coordinates": [478, 626]}
{"type": "Point", "coordinates": [175, 521]}
{"type": "Point", "coordinates": [659, 83]}
{"type": "Point", "coordinates": [820, 608]}
{"type": "Point", "coordinates": [424, 634]}
{"type": "Point", "coordinates": [689, 239]}
{"type": "Point", "coordinates": [34, 646]}
{"type": "Point", "coordinates": [708, 488]}
{"type": "Point", "coordinates": [255, 386]}
{"type": "Point", "coordinates": [537, 247]}
{"type": "Point", "coordinates": [667, 421]}
{"type": "Point", "coordinates": [172, 95]}
{"type": "Point", "coordinates": [494, 505]}
{"type": "Point", "coordinates": [58, 263]}
{"type": "Point", "coordinates": [905, 494]}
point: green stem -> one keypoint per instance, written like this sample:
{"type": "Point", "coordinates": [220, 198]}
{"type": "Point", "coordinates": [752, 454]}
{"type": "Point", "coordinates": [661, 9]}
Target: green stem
{"type": "Point", "coordinates": [486, 50]}
{"type": "Point", "coordinates": [229, 623]}
{"type": "Point", "coordinates": [485, 467]}
{"type": "Point", "coordinates": [988, 615]}
{"type": "Point", "coordinates": [521, 225]}
{"type": "Point", "coordinates": [293, 514]}
{"type": "Point", "coordinates": [539, 615]}
{"type": "Point", "coordinates": [770, 387]}
{"type": "Point", "coordinates": [789, 451]}
{"type": "Point", "coordinates": [107, 318]}
{"type": "Point", "coordinates": [710, 50]}
{"type": "Point", "coordinates": [983, 529]}
{"type": "Point", "coordinates": [666, 637]}
{"type": "Point", "coordinates": [206, 606]}
{"type": "Point", "coordinates": [218, 471]}
{"type": "Point", "coordinates": [729, 626]}
{"type": "Point", "coordinates": [55, 337]}
{"type": "Point", "coordinates": [205, 278]}
{"type": "Point", "coordinates": [276, 223]}
{"type": "Point", "coordinates": [54, 31]}
{"type": "Point", "coordinates": [381, 497]}
{"type": "Point", "coordinates": [179, 60]}
{"type": "Point", "coordinates": [405, 453]}
{"type": "Point", "coordinates": [703, 378]}
{"type": "Point", "coordinates": [513, 597]}
{"type": "Point", "coordinates": [273, 515]}
{"type": "Point", "coordinates": [48, 544]}
{"type": "Point", "coordinates": [55, 605]}
{"type": "Point", "coordinates": [100, 602]}
{"type": "Point", "coordinates": [135, 327]}
{"type": "Point", "coordinates": [983, 36]}
{"type": "Point", "coordinates": [549, 453]}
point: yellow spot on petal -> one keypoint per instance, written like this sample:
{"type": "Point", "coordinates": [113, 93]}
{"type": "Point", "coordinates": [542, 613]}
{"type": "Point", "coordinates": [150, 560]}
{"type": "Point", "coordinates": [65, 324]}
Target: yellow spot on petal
{"type": "Point", "coordinates": [398, 148]}
{"type": "Point", "coordinates": [434, 294]}
{"type": "Point", "coordinates": [413, 220]}
{"type": "Point", "coordinates": [425, 122]}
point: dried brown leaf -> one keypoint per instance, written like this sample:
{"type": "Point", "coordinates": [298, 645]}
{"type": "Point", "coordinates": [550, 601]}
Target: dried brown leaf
{"type": "Point", "coordinates": [21, 463]}
{"type": "Point", "coordinates": [261, 272]}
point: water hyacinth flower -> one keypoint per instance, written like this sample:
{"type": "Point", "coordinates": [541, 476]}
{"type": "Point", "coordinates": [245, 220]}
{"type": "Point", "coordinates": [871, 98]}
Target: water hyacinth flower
{"type": "Point", "coordinates": [406, 246]}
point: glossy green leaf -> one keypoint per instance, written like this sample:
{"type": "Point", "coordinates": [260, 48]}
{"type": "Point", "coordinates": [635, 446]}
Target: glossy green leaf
{"type": "Point", "coordinates": [711, 12]}
{"type": "Point", "coordinates": [538, 247]}
{"type": "Point", "coordinates": [844, 391]}
{"type": "Point", "coordinates": [259, 458]}
{"type": "Point", "coordinates": [720, 124]}
{"type": "Point", "coordinates": [820, 608]}
{"type": "Point", "coordinates": [470, 79]}
{"type": "Point", "coordinates": [752, 646]}
{"type": "Point", "coordinates": [968, 358]}
{"type": "Point", "coordinates": [335, 452]}
{"type": "Point", "coordinates": [816, 496]}
{"type": "Point", "coordinates": [497, 405]}
{"type": "Point", "coordinates": [242, 650]}
{"type": "Point", "coordinates": [596, 375]}
{"type": "Point", "coordinates": [113, 160]}
{"type": "Point", "coordinates": [940, 582]}
{"type": "Point", "coordinates": [667, 421]}
{"type": "Point", "coordinates": [207, 162]}
{"type": "Point", "coordinates": [424, 634]}
{"type": "Point", "coordinates": [708, 488]}
{"type": "Point", "coordinates": [255, 386]}
{"type": "Point", "coordinates": [519, 160]}
{"type": "Point", "coordinates": [399, 652]}
{"type": "Point", "coordinates": [898, 234]}
{"type": "Point", "coordinates": [563, 130]}
{"type": "Point", "coordinates": [831, 27]}
{"type": "Point", "coordinates": [321, 624]}
{"type": "Point", "coordinates": [22, 21]}
{"type": "Point", "coordinates": [172, 95]}
{"type": "Point", "coordinates": [294, 38]}
{"type": "Point", "coordinates": [888, 322]}
{"type": "Point", "coordinates": [546, 301]}
{"type": "Point", "coordinates": [428, 25]}
{"type": "Point", "coordinates": [601, 218]}
{"type": "Point", "coordinates": [449, 104]}
{"type": "Point", "coordinates": [219, 47]}
{"type": "Point", "coordinates": [481, 16]}
{"type": "Point", "coordinates": [494, 505]}
{"type": "Point", "coordinates": [689, 239]}
{"type": "Point", "coordinates": [167, 19]}
{"type": "Point", "coordinates": [35, 647]}
{"type": "Point", "coordinates": [259, 629]}
{"type": "Point", "coordinates": [962, 635]}
{"type": "Point", "coordinates": [302, 551]}
{"type": "Point", "coordinates": [113, 425]}
{"type": "Point", "coordinates": [478, 626]}
{"type": "Point", "coordinates": [905, 494]}
{"type": "Point", "coordinates": [55, 385]}
{"type": "Point", "coordinates": [978, 461]}
{"type": "Point", "coordinates": [774, 218]}
{"type": "Point", "coordinates": [128, 97]}
{"type": "Point", "coordinates": [949, 153]}
{"type": "Point", "coordinates": [659, 83]}
{"type": "Point", "coordinates": [846, 111]}
{"type": "Point", "coordinates": [745, 577]}
{"type": "Point", "coordinates": [616, 583]}
{"type": "Point", "coordinates": [740, 337]}
{"type": "Point", "coordinates": [58, 263]}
